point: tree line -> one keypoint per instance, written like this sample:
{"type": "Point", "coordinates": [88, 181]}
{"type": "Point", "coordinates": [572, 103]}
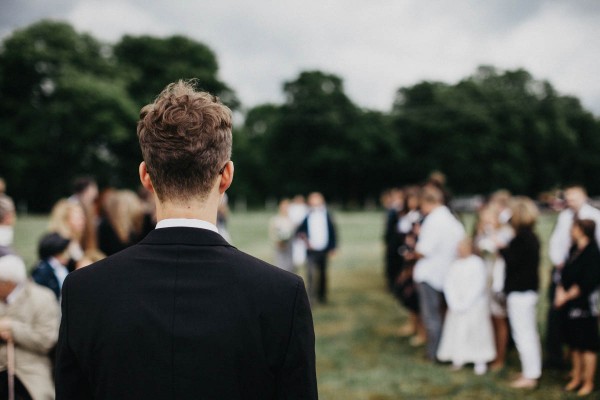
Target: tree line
{"type": "Point", "coordinates": [69, 104]}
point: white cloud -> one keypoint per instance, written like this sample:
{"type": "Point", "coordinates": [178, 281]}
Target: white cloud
{"type": "Point", "coordinates": [109, 20]}
{"type": "Point", "coordinates": [375, 46]}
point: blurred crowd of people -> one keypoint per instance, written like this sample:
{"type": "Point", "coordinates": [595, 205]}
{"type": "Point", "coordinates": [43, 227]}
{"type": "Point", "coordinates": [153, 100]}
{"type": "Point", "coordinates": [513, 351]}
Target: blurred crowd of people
{"type": "Point", "coordinates": [470, 292]}
{"type": "Point", "coordinates": [83, 228]}
{"type": "Point", "coordinates": [304, 233]}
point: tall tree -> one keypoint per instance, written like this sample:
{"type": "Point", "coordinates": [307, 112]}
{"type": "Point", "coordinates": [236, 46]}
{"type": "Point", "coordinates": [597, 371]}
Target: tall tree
{"type": "Point", "coordinates": [63, 108]}
{"type": "Point", "coordinates": [320, 140]}
{"type": "Point", "coordinates": [151, 63]}
{"type": "Point", "coordinates": [496, 129]}
{"type": "Point", "coordinates": [311, 147]}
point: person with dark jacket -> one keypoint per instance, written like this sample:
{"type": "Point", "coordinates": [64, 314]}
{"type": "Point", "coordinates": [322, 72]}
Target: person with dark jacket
{"type": "Point", "coordinates": [319, 233]}
{"type": "Point", "coordinates": [393, 238]}
{"type": "Point", "coordinates": [183, 314]}
{"type": "Point", "coordinates": [51, 270]}
{"type": "Point", "coordinates": [522, 258]}
{"type": "Point", "coordinates": [580, 278]}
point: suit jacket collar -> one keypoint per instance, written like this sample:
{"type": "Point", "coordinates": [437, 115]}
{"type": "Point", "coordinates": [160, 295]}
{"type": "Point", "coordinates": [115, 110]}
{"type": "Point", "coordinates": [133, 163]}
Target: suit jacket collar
{"type": "Point", "coordinates": [185, 236]}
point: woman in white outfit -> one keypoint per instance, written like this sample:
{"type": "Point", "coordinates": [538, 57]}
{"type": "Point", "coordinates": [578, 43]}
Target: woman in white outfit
{"type": "Point", "coordinates": [522, 258]}
{"type": "Point", "coordinates": [281, 232]}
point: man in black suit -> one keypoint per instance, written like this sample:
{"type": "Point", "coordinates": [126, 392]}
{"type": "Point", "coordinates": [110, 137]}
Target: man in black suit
{"type": "Point", "coordinates": [182, 314]}
{"type": "Point", "coordinates": [319, 233]}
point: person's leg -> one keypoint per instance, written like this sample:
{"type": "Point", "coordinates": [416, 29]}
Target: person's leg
{"type": "Point", "coordinates": [522, 317]}
{"type": "Point", "coordinates": [480, 368]}
{"type": "Point", "coordinates": [430, 303]}
{"type": "Point", "coordinates": [576, 370]}
{"type": "Point", "coordinates": [410, 327]}
{"type": "Point", "coordinates": [501, 336]}
{"type": "Point", "coordinates": [310, 274]}
{"type": "Point", "coordinates": [588, 361]}
{"type": "Point", "coordinates": [322, 265]}
{"type": "Point", "coordinates": [555, 357]}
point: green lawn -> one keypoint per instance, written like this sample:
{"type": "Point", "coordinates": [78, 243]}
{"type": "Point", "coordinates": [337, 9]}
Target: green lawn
{"type": "Point", "coordinates": [359, 355]}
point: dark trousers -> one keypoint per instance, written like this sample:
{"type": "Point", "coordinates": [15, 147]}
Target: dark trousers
{"type": "Point", "coordinates": [431, 304]}
{"type": "Point", "coordinates": [555, 357]}
{"type": "Point", "coordinates": [20, 392]}
{"type": "Point", "coordinates": [316, 262]}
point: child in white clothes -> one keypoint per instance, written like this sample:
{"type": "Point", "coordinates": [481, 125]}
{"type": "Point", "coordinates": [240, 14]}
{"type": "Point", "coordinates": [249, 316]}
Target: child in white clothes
{"type": "Point", "coordinates": [468, 335]}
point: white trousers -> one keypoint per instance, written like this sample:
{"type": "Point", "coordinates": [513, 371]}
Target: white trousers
{"type": "Point", "coordinates": [521, 307]}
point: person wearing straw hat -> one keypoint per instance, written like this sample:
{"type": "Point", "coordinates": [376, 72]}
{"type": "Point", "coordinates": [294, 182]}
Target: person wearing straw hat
{"type": "Point", "coordinates": [29, 317]}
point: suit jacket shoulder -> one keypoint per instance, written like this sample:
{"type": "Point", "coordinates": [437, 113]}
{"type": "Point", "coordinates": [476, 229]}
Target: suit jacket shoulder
{"type": "Point", "coordinates": [185, 315]}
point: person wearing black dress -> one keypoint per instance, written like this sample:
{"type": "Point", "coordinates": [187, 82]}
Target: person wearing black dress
{"type": "Point", "coordinates": [580, 277]}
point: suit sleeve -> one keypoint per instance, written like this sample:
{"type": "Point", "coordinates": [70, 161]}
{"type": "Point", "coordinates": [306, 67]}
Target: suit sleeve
{"type": "Point", "coordinates": [71, 383]}
{"type": "Point", "coordinates": [298, 378]}
{"type": "Point", "coordinates": [333, 236]}
{"type": "Point", "coordinates": [303, 227]}
{"type": "Point", "coordinates": [560, 240]}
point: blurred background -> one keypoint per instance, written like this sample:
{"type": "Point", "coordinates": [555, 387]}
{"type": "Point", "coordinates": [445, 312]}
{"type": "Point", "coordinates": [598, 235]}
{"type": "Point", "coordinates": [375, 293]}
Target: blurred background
{"type": "Point", "coordinates": [348, 98]}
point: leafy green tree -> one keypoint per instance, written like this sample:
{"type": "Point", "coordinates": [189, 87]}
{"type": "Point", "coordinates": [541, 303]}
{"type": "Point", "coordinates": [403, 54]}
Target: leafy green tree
{"type": "Point", "coordinates": [151, 63]}
{"type": "Point", "coordinates": [63, 109]}
{"type": "Point", "coordinates": [254, 176]}
{"type": "Point", "coordinates": [320, 140]}
{"type": "Point", "coordinates": [496, 129]}
{"type": "Point", "coordinates": [311, 148]}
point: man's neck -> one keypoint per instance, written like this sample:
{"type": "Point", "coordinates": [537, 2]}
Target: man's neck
{"type": "Point", "coordinates": [205, 211]}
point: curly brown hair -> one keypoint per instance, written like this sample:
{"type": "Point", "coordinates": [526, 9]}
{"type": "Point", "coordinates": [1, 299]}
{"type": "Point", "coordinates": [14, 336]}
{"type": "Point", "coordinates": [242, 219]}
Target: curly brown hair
{"type": "Point", "coordinates": [185, 138]}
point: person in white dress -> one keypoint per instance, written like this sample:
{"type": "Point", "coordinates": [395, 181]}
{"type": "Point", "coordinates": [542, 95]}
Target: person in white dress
{"type": "Point", "coordinates": [492, 235]}
{"type": "Point", "coordinates": [467, 336]}
{"type": "Point", "coordinates": [281, 232]}
{"type": "Point", "coordinates": [297, 211]}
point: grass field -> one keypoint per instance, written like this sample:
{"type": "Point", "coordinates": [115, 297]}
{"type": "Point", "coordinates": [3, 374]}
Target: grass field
{"type": "Point", "coordinates": [359, 355]}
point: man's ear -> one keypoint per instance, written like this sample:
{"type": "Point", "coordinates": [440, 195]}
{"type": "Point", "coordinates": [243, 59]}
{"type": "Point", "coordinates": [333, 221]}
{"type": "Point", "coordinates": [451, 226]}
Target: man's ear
{"type": "Point", "coordinates": [226, 177]}
{"type": "Point", "coordinates": [145, 177]}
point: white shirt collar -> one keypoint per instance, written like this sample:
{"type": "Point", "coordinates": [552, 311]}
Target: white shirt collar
{"type": "Point", "coordinates": [187, 223]}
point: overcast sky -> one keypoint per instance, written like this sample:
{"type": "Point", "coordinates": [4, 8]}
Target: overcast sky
{"type": "Point", "coordinates": [376, 46]}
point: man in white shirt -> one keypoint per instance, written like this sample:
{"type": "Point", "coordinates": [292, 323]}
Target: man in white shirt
{"type": "Point", "coordinates": [319, 234]}
{"type": "Point", "coordinates": [435, 251]}
{"type": "Point", "coordinates": [577, 207]}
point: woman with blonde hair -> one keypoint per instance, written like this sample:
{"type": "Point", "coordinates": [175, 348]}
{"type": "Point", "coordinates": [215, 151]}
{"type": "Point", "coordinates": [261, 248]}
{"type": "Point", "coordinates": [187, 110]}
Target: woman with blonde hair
{"type": "Point", "coordinates": [68, 220]}
{"type": "Point", "coordinates": [522, 258]}
{"type": "Point", "coordinates": [123, 220]}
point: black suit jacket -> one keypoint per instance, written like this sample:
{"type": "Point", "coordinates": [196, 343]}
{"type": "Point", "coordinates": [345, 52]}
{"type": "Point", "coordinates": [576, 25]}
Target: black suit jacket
{"type": "Point", "coordinates": [184, 315]}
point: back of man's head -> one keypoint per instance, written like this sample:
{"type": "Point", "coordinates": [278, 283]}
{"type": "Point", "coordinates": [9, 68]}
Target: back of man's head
{"type": "Point", "coordinates": [185, 138]}
{"type": "Point", "coordinates": [432, 195]}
